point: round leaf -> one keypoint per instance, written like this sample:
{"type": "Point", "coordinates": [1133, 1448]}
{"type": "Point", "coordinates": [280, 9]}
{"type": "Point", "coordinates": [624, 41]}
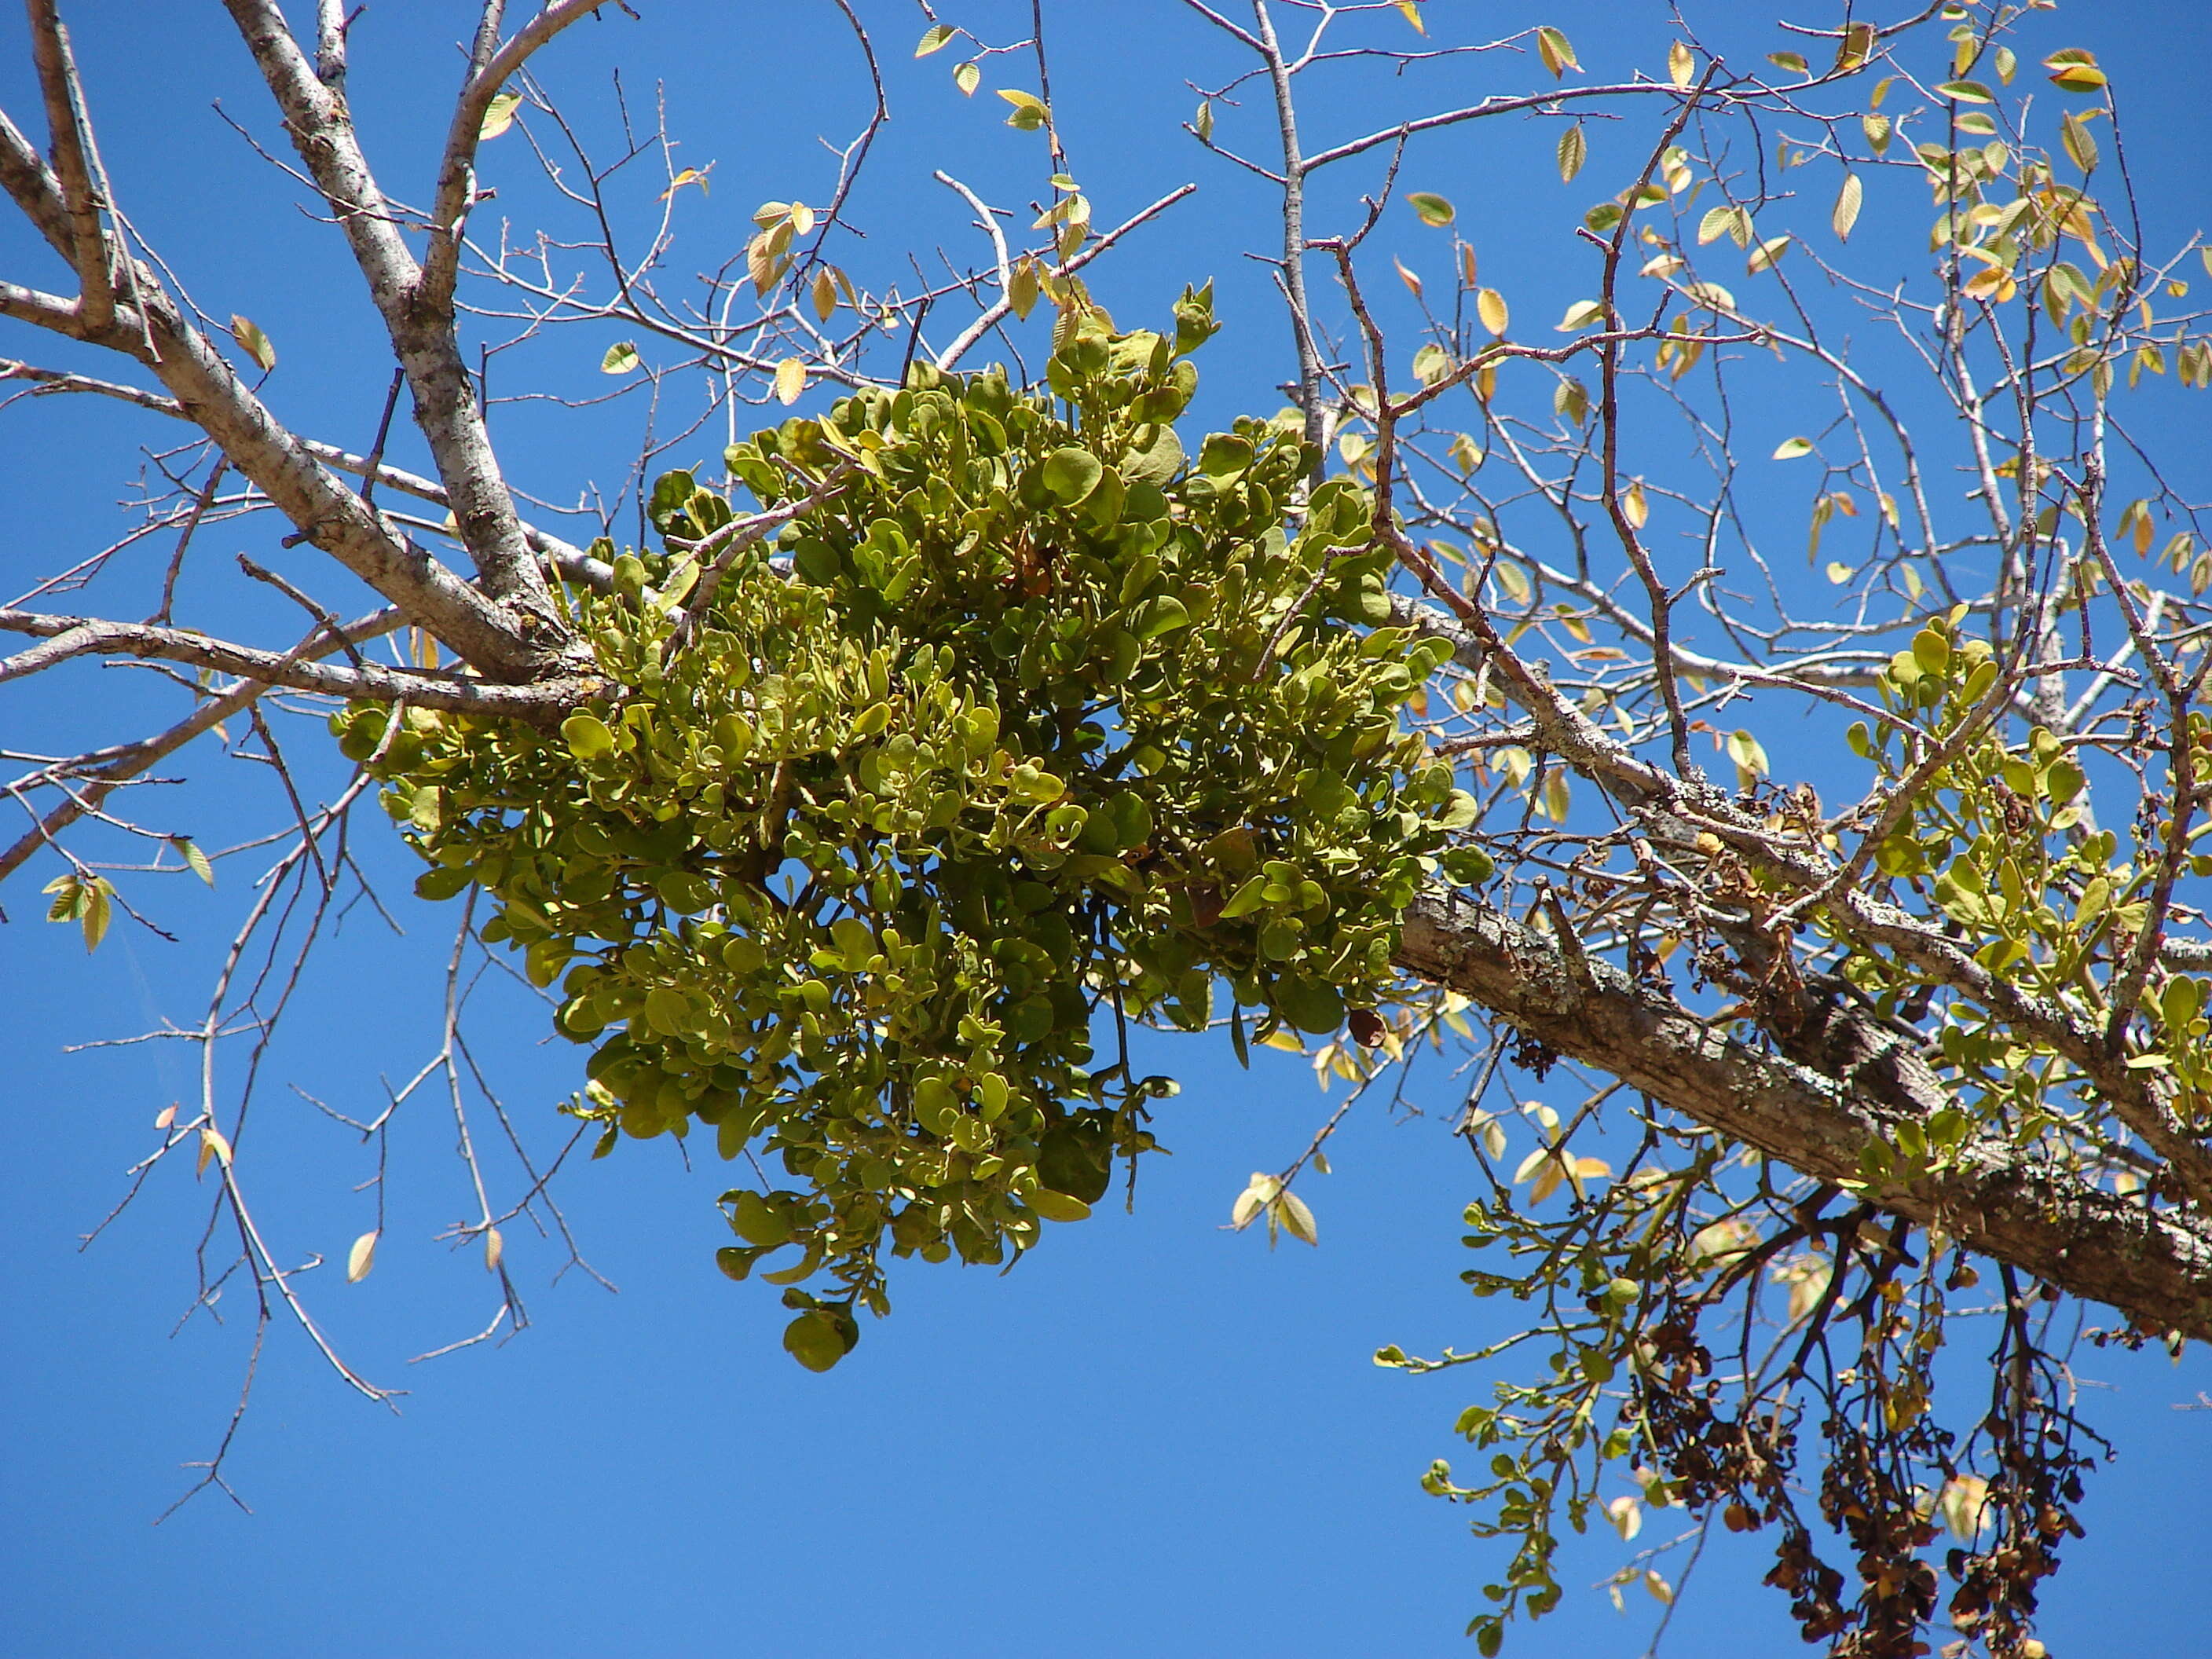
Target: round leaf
{"type": "Point", "coordinates": [1071, 474]}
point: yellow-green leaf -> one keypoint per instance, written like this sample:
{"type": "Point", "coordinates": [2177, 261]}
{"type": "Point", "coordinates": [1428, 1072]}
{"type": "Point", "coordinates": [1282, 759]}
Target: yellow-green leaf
{"type": "Point", "coordinates": [1490, 307]}
{"type": "Point", "coordinates": [1430, 208]}
{"type": "Point", "coordinates": [2074, 136]}
{"type": "Point", "coordinates": [1723, 220]}
{"type": "Point", "coordinates": [1574, 149]}
{"type": "Point", "coordinates": [1746, 751]}
{"type": "Point", "coordinates": [195, 859]}
{"type": "Point", "coordinates": [1846, 211]}
{"type": "Point", "coordinates": [254, 343]}
{"type": "Point", "coordinates": [1260, 1192]}
{"type": "Point", "coordinates": [1790, 448]}
{"type": "Point", "coordinates": [968, 77]}
{"type": "Point", "coordinates": [815, 1340]}
{"type": "Point", "coordinates": [499, 116]}
{"type": "Point", "coordinates": [1680, 66]}
{"type": "Point", "coordinates": [935, 39]}
{"type": "Point", "coordinates": [69, 897]}
{"type": "Point", "coordinates": [1056, 1206]}
{"type": "Point", "coordinates": [361, 1258]}
{"type": "Point", "coordinates": [790, 381]}
{"type": "Point", "coordinates": [97, 911]}
{"type": "Point", "coordinates": [621, 358]}
{"type": "Point", "coordinates": [1559, 57]}
{"type": "Point", "coordinates": [587, 735]}
{"type": "Point", "coordinates": [2073, 70]}
{"type": "Point", "coordinates": [1024, 285]}
{"type": "Point", "coordinates": [1029, 111]}
{"type": "Point", "coordinates": [688, 176]}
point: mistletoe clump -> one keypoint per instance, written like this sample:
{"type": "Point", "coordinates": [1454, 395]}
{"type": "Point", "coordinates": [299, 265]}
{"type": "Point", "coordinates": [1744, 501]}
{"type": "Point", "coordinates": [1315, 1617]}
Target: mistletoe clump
{"type": "Point", "coordinates": [1031, 727]}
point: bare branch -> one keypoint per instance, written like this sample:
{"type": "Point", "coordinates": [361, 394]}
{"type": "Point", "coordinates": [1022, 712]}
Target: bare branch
{"type": "Point", "coordinates": [74, 166]}
{"type": "Point", "coordinates": [418, 317]}
{"type": "Point", "coordinates": [541, 704]}
{"type": "Point", "coordinates": [571, 560]}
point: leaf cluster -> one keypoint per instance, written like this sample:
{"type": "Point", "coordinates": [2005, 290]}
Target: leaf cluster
{"type": "Point", "coordinates": [2001, 839]}
{"type": "Point", "coordinates": [1036, 724]}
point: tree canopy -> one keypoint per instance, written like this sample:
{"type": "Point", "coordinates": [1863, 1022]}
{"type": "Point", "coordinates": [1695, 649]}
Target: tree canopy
{"type": "Point", "coordinates": [904, 731]}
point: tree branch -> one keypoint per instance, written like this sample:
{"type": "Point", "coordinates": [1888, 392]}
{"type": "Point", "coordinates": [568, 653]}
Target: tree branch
{"type": "Point", "coordinates": [73, 166]}
{"type": "Point", "coordinates": [542, 704]}
{"type": "Point", "coordinates": [1680, 810]}
{"type": "Point", "coordinates": [418, 317]}
{"type": "Point", "coordinates": [93, 777]}
{"type": "Point", "coordinates": [32, 185]}
{"type": "Point", "coordinates": [2153, 1265]}
{"type": "Point", "coordinates": [571, 560]}
{"type": "Point", "coordinates": [490, 65]}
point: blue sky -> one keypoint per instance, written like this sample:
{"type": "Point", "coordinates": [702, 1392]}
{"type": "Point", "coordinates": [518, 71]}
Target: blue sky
{"type": "Point", "coordinates": [1155, 1435]}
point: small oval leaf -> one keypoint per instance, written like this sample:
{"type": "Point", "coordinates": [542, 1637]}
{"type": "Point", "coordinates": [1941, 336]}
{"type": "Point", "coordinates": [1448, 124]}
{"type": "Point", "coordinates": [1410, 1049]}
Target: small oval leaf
{"type": "Point", "coordinates": [1430, 208]}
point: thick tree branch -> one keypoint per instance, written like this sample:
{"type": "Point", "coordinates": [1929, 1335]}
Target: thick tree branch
{"type": "Point", "coordinates": [32, 187]}
{"type": "Point", "coordinates": [1680, 812]}
{"type": "Point", "coordinates": [328, 514]}
{"type": "Point", "coordinates": [208, 393]}
{"type": "Point", "coordinates": [418, 320]}
{"type": "Point", "coordinates": [2152, 1265]}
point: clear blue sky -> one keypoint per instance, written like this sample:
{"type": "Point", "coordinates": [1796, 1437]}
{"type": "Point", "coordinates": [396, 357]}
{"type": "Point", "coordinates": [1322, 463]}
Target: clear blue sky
{"type": "Point", "coordinates": [1153, 1436]}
